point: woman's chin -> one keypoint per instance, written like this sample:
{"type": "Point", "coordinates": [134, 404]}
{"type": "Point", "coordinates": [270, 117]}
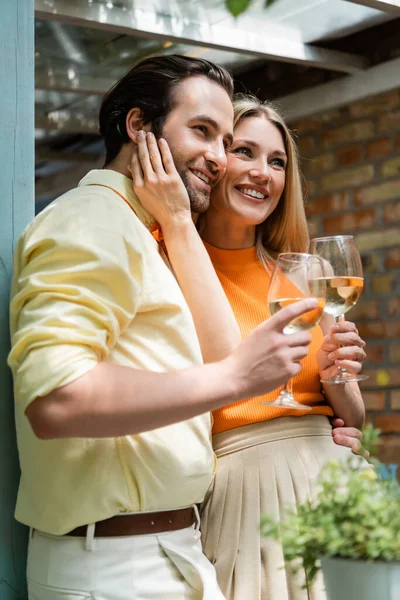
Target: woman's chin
{"type": "Point", "coordinates": [250, 215]}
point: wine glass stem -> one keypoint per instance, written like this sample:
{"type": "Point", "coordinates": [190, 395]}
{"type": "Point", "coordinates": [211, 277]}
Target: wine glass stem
{"type": "Point", "coordinates": [341, 371]}
{"type": "Point", "coordinates": [288, 389]}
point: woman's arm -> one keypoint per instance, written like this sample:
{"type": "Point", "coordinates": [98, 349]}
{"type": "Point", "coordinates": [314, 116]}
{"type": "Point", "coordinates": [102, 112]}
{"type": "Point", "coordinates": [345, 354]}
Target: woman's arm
{"type": "Point", "coordinates": [161, 191]}
{"type": "Point", "coordinates": [342, 347]}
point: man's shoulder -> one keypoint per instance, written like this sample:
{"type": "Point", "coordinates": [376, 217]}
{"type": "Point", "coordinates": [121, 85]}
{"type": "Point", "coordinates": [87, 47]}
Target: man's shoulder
{"type": "Point", "coordinates": [85, 209]}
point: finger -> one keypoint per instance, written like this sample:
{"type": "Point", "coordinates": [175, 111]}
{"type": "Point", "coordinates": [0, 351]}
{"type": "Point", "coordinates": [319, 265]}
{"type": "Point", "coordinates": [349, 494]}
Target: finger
{"type": "Point", "coordinates": [154, 154]}
{"type": "Point", "coordinates": [166, 156]}
{"type": "Point", "coordinates": [336, 422]}
{"type": "Point", "coordinates": [143, 154]}
{"type": "Point", "coordinates": [350, 338]}
{"type": "Point", "coordinates": [297, 354]}
{"type": "Point", "coordinates": [350, 366]}
{"type": "Point", "coordinates": [348, 353]}
{"type": "Point", "coordinates": [348, 431]}
{"type": "Point", "coordinates": [353, 443]}
{"type": "Point", "coordinates": [295, 340]}
{"type": "Point", "coordinates": [283, 317]}
{"type": "Point", "coordinates": [136, 170]}
{"type": "Point", "coordinates": [343, 327]}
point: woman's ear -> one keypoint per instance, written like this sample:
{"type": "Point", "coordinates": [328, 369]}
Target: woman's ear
{"type": "Point", "coordinates": [134, 123]}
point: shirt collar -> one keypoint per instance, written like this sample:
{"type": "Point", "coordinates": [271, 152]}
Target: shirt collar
{"type": "Point", "coordinates": [121, 184]}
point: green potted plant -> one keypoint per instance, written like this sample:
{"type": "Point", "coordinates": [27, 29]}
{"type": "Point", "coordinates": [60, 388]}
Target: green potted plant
{"type": "Point", "coordinates": [351, 530]}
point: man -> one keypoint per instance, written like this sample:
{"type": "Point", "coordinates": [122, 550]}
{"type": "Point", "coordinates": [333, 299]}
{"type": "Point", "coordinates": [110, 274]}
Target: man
{"type": "Point", "coordinates": [112, 400]}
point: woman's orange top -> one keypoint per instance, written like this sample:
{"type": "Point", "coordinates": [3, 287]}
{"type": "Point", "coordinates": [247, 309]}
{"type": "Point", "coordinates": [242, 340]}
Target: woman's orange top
{"type": "Point", "coordinates": [246, 284]}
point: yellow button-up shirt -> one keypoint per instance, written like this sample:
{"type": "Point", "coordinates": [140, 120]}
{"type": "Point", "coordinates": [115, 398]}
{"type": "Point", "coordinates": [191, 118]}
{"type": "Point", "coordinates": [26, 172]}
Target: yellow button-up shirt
{"type": "Point", "coordinates": [90, 285]}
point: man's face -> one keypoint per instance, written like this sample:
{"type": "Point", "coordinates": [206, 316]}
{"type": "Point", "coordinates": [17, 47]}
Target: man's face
{"type": "Point", "coordinates": [198, 129]}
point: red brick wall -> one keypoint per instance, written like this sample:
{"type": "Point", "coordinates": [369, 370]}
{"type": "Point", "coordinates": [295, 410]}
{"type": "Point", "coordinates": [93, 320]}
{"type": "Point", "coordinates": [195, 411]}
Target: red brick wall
{"type": "Point", "coordinates": [351, 162]}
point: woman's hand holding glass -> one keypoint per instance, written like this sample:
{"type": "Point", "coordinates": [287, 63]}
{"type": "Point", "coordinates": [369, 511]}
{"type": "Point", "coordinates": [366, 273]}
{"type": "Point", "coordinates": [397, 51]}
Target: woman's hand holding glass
{"type": "Point", "coordinates": [344, 285]}
{"type": "Point", "coordinates": [342, 348]}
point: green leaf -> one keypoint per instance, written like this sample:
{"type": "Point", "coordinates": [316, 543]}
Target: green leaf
{"type": "Point", "coordinates": [269, 2]}
{"type": "Point", "coordinates": [237, 7]}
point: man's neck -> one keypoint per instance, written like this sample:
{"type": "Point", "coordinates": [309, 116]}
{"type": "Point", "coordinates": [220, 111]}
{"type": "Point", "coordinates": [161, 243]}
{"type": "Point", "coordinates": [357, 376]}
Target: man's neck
{"type": "Point", "coordinates": [121, 162]}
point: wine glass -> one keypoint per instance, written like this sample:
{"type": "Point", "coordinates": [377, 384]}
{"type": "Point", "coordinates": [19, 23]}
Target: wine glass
{"type": "Point", "coordinates": [296, 276]}
{"type": "Point", "coordinates": [344, 284]}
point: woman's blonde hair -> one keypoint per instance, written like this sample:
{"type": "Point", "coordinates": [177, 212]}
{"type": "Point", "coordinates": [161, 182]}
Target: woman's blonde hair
{"type": "Point", "coordinates": [285, 230]}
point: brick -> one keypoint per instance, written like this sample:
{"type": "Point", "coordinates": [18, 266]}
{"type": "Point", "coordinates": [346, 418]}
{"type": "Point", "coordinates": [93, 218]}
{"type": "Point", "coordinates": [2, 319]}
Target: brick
{"type": "Point", "coordinates": [374, 400]}
{"type": "Point", "coordinates": [383, 283]}
{"type": "Point", "coordinates": [320, 164]}
{"type": "Point", "coordinates": [353, 177]}
{"type": "Point", "coordinates": [391, 167]}
{"type": "Point", "coordinates": [394, 353]}
{"type": "Point", "coordinates": [393, 307]}
{"type": "Point", "coordinates": [306, 145]}
{"type": "Point", "coordinates": [366, 309]}
{"type": "Point", "coordinates": [391, 212]}
{"type": "Point", "coordinates": [363, 219]}
{"type": "Point", "coordinates": [392, 260]}
{"type": "Point", "coordinates": [329, 203]}
{"type": "Point", "coordinates": [381, 378]}
{"type": "Point", "coordinates": [374, 105]}
{"type": "Point", "coordinates": [389, 122]}
{"type": "Point", "coordinates": [388, 423]}
{"type": "Point", "coordinates": [350, 155]}
{"type": "Point", "coordinates": [352, 132]}
{"type": "Point", "coordinates": [378, 239]}
{"type": "Point", "coordinates": [389, 190]}
{"type": "Point", "coordinates": [395, 399]}
{"type": "Point", "coordinates": [316, 122]}
{"type": "Point", "coordinates": [311, 188]}
{"type": "Point", "coordinates": [370, 262]}
{"type": "Point", "coordinates": [375, 354]}
{"type": "Point", "coordinates": [379, 148]}
{"type": "Point", "coordinates": [379, 329]}
{"type": "Point", "coordinates": [389, 450]}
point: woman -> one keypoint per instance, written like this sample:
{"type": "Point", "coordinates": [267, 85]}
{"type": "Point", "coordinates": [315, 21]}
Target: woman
{"type": "Point", "coordinates": [268, 457]}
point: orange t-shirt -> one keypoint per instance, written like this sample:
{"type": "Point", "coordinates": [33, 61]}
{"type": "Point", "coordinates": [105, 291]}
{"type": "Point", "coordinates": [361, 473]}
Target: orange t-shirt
{"type": "Point", "coordinates": [246, 284]}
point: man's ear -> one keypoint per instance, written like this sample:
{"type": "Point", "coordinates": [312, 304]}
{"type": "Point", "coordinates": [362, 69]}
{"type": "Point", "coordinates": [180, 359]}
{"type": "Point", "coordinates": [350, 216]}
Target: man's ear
{"type": "Point", "coordinates": [134, 123]}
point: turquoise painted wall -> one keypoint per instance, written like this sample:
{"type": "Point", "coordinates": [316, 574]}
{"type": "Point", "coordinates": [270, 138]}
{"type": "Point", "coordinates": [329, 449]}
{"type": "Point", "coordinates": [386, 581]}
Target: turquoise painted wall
{"type": "Point", "coordinates": [16, 210]}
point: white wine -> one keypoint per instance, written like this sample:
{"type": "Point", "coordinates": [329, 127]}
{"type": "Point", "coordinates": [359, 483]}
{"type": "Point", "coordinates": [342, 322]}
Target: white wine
{"type": "Point", "coordinates": [342, 294]}
{"type": "Point", "coordinates": [307, 320]}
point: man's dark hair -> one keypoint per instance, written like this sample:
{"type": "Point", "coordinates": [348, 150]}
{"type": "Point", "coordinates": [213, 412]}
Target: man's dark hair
{"type": "Point", "coordinates": [148, 86]}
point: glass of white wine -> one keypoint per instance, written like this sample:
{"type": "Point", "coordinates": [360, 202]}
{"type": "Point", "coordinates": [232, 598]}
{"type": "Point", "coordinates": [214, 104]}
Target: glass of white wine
{"type": "Point", "coordinates": [344, 284]}
{"type": "Point", "coordinates": [296, 276]}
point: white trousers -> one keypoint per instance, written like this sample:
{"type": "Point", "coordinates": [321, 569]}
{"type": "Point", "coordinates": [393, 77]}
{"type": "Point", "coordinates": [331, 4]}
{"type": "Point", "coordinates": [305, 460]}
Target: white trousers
{"type": "Point", "coordinates": [165, 566]}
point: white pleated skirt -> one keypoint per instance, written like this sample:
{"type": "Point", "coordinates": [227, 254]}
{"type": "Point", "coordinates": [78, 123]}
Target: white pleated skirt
{"type": "Point", "coordinates": [263, 468]}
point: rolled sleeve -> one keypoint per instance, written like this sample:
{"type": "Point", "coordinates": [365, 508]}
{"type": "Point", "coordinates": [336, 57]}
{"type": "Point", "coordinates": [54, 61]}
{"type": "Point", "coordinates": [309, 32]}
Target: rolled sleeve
{"type": "Point", "coordinates": [74, 293]}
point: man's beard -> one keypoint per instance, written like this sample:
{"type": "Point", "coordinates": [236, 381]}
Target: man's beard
{"type": "Point", "coordinates": [199, 198]}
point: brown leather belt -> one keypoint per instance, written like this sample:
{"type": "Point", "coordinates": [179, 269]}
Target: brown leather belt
{"type": "Point", "coordinates": [140, 524]}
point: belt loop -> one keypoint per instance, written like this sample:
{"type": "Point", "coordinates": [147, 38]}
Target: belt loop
{"type": "Point", "coordinates": [197, 528]}
{"type": "Point", "coordinates": [90, 543]}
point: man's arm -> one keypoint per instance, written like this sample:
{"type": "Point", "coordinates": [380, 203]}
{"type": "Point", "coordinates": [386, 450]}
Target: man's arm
{"type": "Point", "coordinates": [112, 401]}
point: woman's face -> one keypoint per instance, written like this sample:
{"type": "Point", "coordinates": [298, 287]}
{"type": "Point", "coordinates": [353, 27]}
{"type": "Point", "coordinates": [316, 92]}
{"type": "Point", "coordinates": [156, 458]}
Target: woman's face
{"type": "Point", "coordinates": [255, 174]}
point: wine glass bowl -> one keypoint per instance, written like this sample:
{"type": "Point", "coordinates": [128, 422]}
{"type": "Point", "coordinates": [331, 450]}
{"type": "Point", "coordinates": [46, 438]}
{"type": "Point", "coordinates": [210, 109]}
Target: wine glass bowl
{"type": "Point", "coordinates": [344, 284]}
{"type": "Point", "coordinates": [296, 276]}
